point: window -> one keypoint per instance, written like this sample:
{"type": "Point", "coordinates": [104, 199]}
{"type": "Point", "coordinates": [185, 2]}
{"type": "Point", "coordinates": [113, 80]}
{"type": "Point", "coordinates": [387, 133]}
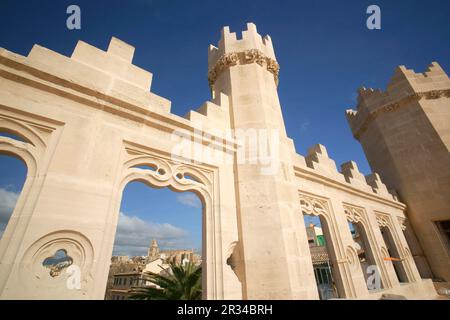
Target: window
{"type": "Point", "coordinates": [444, 230]}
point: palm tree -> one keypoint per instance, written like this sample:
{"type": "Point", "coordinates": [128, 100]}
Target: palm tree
{"type": "Point", "coordinates": [181, 282]}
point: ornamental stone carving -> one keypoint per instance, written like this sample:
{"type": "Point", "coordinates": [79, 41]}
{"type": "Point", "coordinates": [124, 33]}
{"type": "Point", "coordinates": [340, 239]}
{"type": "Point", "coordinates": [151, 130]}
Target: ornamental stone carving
{"type": "Point", "coordinates": [353, 214]}
{"type": "Point", "coordinates": [402, 222]}
{"type": "Point", "coordinates": [382, 220]}
{"type": "Point", "coordinates": [245, 57]}
{"type": "Point", "coordinates": [352, 257]}
{"type": "Point", "coordinates": [46, 261]}
{"type": "Point", "coordinates": [313, 206]}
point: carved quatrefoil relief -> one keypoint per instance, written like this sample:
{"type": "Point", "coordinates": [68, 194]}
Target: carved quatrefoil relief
{"type": "Point", "coordinates": [58, 262]}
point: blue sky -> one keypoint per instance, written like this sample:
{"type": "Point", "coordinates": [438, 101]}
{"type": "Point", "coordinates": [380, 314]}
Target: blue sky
{"type": "Point", "coordinates": [324, 49]}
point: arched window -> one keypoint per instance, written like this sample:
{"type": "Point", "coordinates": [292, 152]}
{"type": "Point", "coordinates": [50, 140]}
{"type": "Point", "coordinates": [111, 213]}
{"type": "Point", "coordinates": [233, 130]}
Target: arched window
{"type": "Point", "coordinates": [323, 258]}
{"type": "Point", "coordinates": [394, 255]}
{"type": "Point", "coordinates": [365, 255]}
{"type": "Point", "coordinates": [154, 224]}
{"type": "Point", "coordinates": [12, 178]}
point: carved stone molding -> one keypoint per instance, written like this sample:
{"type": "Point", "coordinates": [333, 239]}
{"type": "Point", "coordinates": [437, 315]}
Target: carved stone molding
{"type": "Point", "coordinates": [385, 253]}
{"type": "Point", "coordinates": [432, 94]}
{"type": "Point", "coordinates": [353, 214]}
{"type": "Point", "coordinates": [241, 58]}
{"type": "Point", "coordinates": [383, 220]}
{"type": "Point", "coordinates": [313, 206]}
{"type": "Point", "coordinates": [78, 250]}
{"type": "Point", "coordinates": [402, 222]}
{"type": "Point", "coordinates": [406, 252]}
{"type": "Point", "coordinates": [160, 172]}
{"type": "Point", "coordinates": [352, 257]}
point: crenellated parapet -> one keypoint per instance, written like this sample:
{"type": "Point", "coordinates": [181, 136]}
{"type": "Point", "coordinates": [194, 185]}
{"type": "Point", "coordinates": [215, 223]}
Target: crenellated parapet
{"type": "Point", "coordinates": [405, 87]}
{"type": "Point", "coordinates": [108, 80]}
{"type": "Point", "coordinates": [378, 186]}
{"type": "Point", "coordinates": [353, 176]}
{"type": "Point", "coordinates": [111, 78]}
{"type": "Point", "coordinates": [213, 114]}
{"type": "Point", "coordinates": [319, 163]}
{"type": "Point", "coordinates": [97, 72]}
{"type": "Point", "coordinates": [317, 159]}
{"type": "Point", "coordinates": [231, 51]}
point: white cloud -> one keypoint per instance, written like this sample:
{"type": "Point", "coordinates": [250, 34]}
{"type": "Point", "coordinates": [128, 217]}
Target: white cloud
{"type": "Point", "coordinates": [8, 201]}
{"type": "Point", "coordinates": [134, 235]}
{"type": "Point", "coordinates": [189, 199]}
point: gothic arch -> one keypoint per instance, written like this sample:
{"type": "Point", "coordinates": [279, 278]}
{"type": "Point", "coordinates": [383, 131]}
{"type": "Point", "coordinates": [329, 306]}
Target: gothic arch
{"type": "Point", "coordinates": [316, 206]}
{"type": "Point", "coordinates": [28, 151]}
{"type": "Point", "coordinates": [28, 154]}
{"type": "Point", "coordinates": [158, 172]}
{"type": "Point", "coordinates": [359, 215]}
{"type": "Point", "coordinates": [385, 221]}
{"type": "Point", "coordinates": [29, 134]}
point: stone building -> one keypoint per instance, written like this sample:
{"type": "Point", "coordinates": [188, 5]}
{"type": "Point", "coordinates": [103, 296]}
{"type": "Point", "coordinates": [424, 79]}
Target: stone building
{"type": "Point", "coordinates": [89, 124]}
{"type": "Point", "coordinates": [405, 133]}
{"type": "Point", "coordinates": [120, 265]}
{"type": "Point", "coordinates": [126, 274]}
{"type": "Point", "coordinates": [124, 285]}
{"type": "Point", "coordinates": [153, 251]}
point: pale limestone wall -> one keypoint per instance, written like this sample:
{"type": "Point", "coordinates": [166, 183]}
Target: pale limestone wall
{"type": "Point", "coordinates": [405, 133]}
{"type": "Point", "coordinates": [89, 120]}
{"type": "Point", "coordinates": [345, 196]}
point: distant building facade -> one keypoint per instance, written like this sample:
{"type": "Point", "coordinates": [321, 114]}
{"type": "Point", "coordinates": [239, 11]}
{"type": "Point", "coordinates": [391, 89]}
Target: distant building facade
{"type": "Point", "coordinates": [128, 274]}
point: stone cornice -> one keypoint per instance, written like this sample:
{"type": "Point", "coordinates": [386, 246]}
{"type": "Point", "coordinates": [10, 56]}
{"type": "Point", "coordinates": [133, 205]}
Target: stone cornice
{"type": "Point", "coordinates": [415, 96]}
{"type": "Point", "coordinates": [241, 58]}
{"type": "Point", "coordinates": [23, 73]}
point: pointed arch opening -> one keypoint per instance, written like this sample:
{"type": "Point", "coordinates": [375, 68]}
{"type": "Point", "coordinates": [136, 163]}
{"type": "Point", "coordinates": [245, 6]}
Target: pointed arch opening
{"type": "Point", "coordinates": [365, 255]}
{"type": "Point", "coordinates": [170, 209]}
{"type": "Point", "coordinates": [394, 256]}
{"type": "Point", "coordinates": [324, 260]}
{"type": "Point", "coordinates": [13, 172]}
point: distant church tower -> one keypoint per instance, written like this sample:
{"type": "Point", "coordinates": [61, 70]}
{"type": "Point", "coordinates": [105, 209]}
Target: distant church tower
{"type": "Point", "coordinates": [153, 251]}
{"type": "Point", "coordinates": [405, 133]}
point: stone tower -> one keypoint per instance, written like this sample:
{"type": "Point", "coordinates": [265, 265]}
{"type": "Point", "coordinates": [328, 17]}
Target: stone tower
{"type": "Point", "coordinates": [267, 203]}
{"type": "Point", "coordinates": [405, 134]}
{"type": "Point", "coordinates": [153, 251]}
